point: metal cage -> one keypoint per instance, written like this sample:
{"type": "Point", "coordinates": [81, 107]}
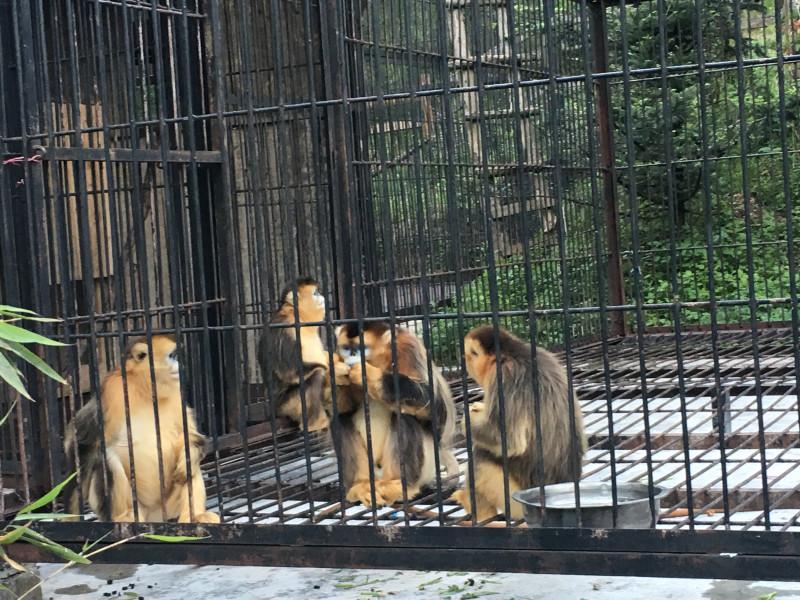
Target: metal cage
{"type": "Point", "coordinates": [610, 179]}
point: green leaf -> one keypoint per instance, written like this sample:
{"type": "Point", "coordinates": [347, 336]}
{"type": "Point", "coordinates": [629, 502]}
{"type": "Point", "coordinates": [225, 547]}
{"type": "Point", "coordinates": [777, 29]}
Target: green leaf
{"type": "Point", "coordinates": [24, 313]}
{"type": "Point", "coordinates": [13, 333]}
{"type": "Point", "coordinates": [5, 308]}
{"type": "Point", "coordinates": [42, 516]}
{"type": "Point", "coordinates": [8, 414]}
{"type": "Point", "coordinates": [10, 375]}
{"type": "Point", "coordinates": [40, 541]}
{"type": "Point", "coordinates": [11, 562]}
{"type": "Point", "coordinates": [32, 358]}
{"type": "Point", "coordinates": [87, 545]}
{"type": "Point", "coordinates": [46, 499]}
{"type": "Point", "coordinates": [13, 535]}
{"type": "Point", "coordinates": [174, 538]}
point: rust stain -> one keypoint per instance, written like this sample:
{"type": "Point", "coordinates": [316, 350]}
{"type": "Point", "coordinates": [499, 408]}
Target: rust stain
{"type": "Point", "coordinates": [600, 534]}
{"type": "Point", "coordinates": [390, 532]}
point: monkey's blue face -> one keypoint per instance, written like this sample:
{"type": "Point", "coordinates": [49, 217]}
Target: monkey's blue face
{"type": "Point", "coordinates": [351, 355]}
{"type": "Point", "coordinates": [319, 299]}
{"type": "Point", "coordinates": [173, 365]}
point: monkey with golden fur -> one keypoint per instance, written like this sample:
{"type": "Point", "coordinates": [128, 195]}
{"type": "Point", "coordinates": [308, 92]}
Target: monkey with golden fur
{"type": "Point", "coordinates": [562, 454]}
{"type": "Point", "coordinates": [83, 436]}
{"type": "Point", "coordinates": [278, 355]}
{"type": "Point", "coordinates": [402, 415]}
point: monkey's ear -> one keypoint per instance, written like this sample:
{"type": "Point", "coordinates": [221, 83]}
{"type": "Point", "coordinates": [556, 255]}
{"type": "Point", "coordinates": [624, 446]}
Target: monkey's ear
{"type": "Point", "coordinates": [337, 331]}
{"type": "Point", "coordinates": [288, 298]}
{"type": "Point", "coordinates": [386, 338]}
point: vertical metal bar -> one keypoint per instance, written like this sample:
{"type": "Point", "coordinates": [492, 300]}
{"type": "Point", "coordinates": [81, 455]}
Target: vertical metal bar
{"type": "Point", "coordinates": [454, 219]}
{"type": "Point", "coordinates": [171, 225]}
{"type": "Point", "coordinates": [636, 251]}
{"type": "Point", "coordinates": [289, 246]}
{"type": "Point", "coordinates": [554, 118]}
{"type": "Point", "coordinates": [225, 213]}
{"type": "Point", "coordinates": [117, 260]}
{"type": "Point", "coordinates": [32, 271]}
{"type": "Point", "coordinates": [722, 397]}
{"type": "Point", "coordinates": [788, 200]}
{"type": "Point", "coordinates": [605, 133]}
{"type": "Point", "coordinates": [674, 224]}
{"type": "Point", "coordinates": [589, 17]}
{"type": "Point", "coordinates": [333, 64]}
{"type": "Point", "coordinates": [187, 75]}
{"type": "Point", "coordinates": [751, 289]}
{"type": "Point", "coordinates": [486, 198]}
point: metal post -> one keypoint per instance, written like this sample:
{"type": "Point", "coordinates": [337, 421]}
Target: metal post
{"type": "Point", "coordinates": [341, 190]}
{"type": "Point", "coordinates": [605, 126]}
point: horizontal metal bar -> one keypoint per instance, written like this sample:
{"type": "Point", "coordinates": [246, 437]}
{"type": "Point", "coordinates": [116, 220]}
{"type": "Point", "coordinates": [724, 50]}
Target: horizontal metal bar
{"type": "Point", "coordinates": [131, 155]}
{"type": "Point", "coordinates": [704, 554]}
{"type": "Point", "coordinates": [710, 67]}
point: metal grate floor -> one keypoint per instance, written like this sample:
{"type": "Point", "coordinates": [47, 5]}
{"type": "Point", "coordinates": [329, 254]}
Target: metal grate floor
{"type": "Point", "coordinates": [673, 438]}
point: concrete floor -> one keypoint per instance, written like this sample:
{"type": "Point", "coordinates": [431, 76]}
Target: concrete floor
{"type": "Point", "coordinates": [133, 582]}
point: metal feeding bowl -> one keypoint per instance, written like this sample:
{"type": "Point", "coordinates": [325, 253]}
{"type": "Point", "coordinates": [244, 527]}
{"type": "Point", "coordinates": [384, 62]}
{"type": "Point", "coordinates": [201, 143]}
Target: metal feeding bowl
{"type": "Point", "coordinates": [633, 505]}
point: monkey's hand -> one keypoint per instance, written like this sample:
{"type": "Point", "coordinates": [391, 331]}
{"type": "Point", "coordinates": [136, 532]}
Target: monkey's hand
{"type": "Point", "coordinates": [477, 414]}
{"type": "Point", "coordinates": [374, 375]}
{"type": "Point", "coordinates": [342, 373]}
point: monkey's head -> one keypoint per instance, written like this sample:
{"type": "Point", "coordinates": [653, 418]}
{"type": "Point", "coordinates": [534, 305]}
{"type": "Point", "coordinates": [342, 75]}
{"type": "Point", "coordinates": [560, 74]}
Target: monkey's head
{"type": "Point", "coordinates": [310, 301]}
{"type": "Point", "coordinates": [165, 359]}
{"type": "Point", "coordinates": [480, 352]}
{"type": "Point", "coordinates": [377, 348]}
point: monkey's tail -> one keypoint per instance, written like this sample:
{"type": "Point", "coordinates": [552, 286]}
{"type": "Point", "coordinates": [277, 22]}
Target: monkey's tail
{"type": "Point", "coordinates": [70, 494]}
{"type": "Point", "coordinates": [450, 463]}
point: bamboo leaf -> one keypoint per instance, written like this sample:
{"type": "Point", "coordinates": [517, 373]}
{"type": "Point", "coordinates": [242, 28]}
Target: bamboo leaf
{"type": "Point", "coordinates": [8, 414]}
{"type": "Point", "coordinates": [87, 545]}
{"type": "Point", "coordinates": [32, 358]}
{"type": "Point", "coordinates": [11, 562]}
{"type": "Point", "coordinates": [13, 535]}
{"type": "Point", "coordinates": [55, 548]}
{"type": "Point", "coordinates": [5, 308]}
{"type": "Point", "coordinates": [43, 516]}
{"type": "Point", "coordinates": [174, 538]}
{"type": "Point", "coordinates": [10, 375]}
{"type": "Point", "coordinates": [24, 313]}
{"type": "Point", "coordinates": [47, 498]}
{"type": "Point", "coordinates": [13, 333]}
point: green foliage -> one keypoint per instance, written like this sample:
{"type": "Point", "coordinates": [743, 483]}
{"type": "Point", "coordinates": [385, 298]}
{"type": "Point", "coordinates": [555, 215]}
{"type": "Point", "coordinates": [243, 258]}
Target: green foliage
{"type": "Point", "coordinates": [546, 291]}
{"type": "Point", "coordinates": [674, 191]}
{"type": "Point", "coordinates": [13, 340]}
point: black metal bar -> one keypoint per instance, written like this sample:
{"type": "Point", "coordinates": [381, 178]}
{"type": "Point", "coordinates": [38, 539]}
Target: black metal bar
{"type": "Point", "coordinates": [605, 134]}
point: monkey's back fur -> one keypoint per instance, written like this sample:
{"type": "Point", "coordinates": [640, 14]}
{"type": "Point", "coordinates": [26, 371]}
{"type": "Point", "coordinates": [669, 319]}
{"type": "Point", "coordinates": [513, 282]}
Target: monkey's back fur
{"type": "Point", "coordinates": [561, 455]}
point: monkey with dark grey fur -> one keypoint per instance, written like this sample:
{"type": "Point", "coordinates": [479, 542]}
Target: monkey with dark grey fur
{"type": "Point", "coordinates": [278, 355]}
{"type": "Point", "coordinates": [562, 448]}
{"type": "Point", "coordinates": [402, 415]}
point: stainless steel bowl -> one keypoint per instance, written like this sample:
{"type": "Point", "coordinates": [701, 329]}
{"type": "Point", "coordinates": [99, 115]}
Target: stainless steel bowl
{"type": "Point", "coordinates": [633, 506]}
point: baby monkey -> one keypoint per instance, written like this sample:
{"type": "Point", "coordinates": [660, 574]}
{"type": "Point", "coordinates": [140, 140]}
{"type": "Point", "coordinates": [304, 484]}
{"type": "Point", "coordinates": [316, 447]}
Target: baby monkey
{"type": "Point", "coordinates": [561, 450]}
{"type": "Point", "coordinates": [287, 359]}
{"type": "Point", "coordinates": [403, 414]}
{"type": "Point", "coordinates": [83, 436]}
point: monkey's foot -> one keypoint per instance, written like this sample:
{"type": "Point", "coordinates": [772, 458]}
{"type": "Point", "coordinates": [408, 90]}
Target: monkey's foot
{"type": "Point", "coordinates": [392, 490]}
{"type": "Point", "coordinates": [322, 423]}
{"type": "Point", "coordinates": [462, 498]}
{"type": "Point", "coordinates": [208, 517]}
{"type": "Point", "coordinates": [361, 492]}
{"type": "Point", "coordinates": [484, 510]}
{"type": "Point", "coordinates": [203, 517]}
{"type": "Point", "coordinates": [126, 517]}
